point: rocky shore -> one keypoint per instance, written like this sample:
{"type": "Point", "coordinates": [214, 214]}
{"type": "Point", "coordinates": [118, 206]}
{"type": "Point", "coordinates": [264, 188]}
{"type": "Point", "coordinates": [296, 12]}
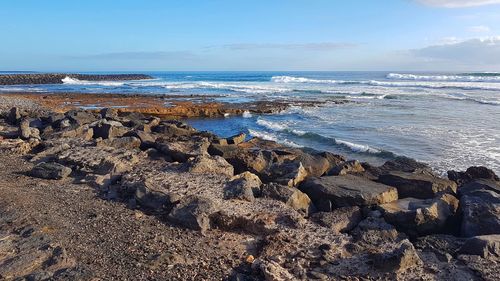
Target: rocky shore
{"type": "Point", "coordinates": [123, 195]}
{"type": "Point", "coordinates": [56, 78]}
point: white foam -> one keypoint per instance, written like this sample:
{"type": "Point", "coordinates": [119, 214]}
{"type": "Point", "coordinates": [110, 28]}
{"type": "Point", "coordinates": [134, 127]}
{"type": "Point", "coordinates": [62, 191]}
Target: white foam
{"type": "Point", "coordinates": [271, 137]}
{"type": "Point", "coordinates": [74, 81]}
{"type": "Point", "coordinates": [280, 127]}
{"type": "Point", "coordinates": [247, 114]}
{"type": "Point", "coordinates": [456, 78]}
{"type": "Point", "coordinates": [358, 147]}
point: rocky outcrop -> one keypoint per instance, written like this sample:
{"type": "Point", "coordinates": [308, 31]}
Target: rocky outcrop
{"type": "Point", "coordinates": [417, 185]}
{"type": "Point", "coordinates": [343, 219]}
{"type": "Point", "coordinates": [243, 186]}
{"type": "Point", "coordinates": [291, 196]}
{"type": "Point", "coordinates": [333, 192]}
{"type": "Point", "coordinates": [485, 246]}
{"type": "Point", "coordinates": [183, 148]}
{"type": "Point", "coordinates": [472, 173]}
{"type": "Point", "coordinates": [210, 165]}
{"type": "Point", "coordinates": [194, 212]}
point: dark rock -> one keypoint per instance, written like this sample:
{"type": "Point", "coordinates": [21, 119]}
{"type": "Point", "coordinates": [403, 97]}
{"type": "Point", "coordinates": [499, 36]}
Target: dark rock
{"type": "Point", "coordinates": [403, 164]}
{"type": "Point", "coordinates": [486, 246]}
{"type": "Point", "coordinates": [333, 159]}
{"type": "Point", "coordinates": [236, 139]}
{"type": "Point", "coordinates": [80, 117]}
{"type": "Point", "coordinates": [194, 212]}
{"type": "Point", "coordinates": [417, 217]}
{"type": "Point", "coordinates": [169, 130]}
{"type": "Point", "coordinates": [53, 171]}
{"type": "Point", "coordinates": [339, 220]}
{"type": "Point", "coordinates": [206, 164]}
{"type": "Point", "coordinates": [290, 174]}
{"type": "Point", "coordinates": [122, 142]}
{"type": "Point", "coordinates": [442, 245]}
{"type": "Point", "coordinates": [417, 185]}
{"type": "Point", "coordinates": [291, 196]}
{"type": "Point", "coordinates": [315, 164]}
{"type": "Point", "coordinates": [147, 140]}
{"type": "Point", "coordinates": [14, 116]}
{"type": "Point", "coordinates": [56, 78]}
{"type": "Point", "coordinates": [333, 192]}
{"type": "Point", "coordinates": [472, 173]}
{"type": "Point", "coordinates": [243, 186]}
{"type": "Point", "coordinates": [109, 113]}
{"type": "Point", "coordinates": [349, 167]}
{"type": "Point", "coordinates": [480, 208]}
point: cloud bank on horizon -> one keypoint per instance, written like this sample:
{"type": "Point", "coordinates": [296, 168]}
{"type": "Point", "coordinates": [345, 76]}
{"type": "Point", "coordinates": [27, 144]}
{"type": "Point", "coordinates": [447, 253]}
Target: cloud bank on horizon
{"type": "Point", "coordinates": [458, 3]}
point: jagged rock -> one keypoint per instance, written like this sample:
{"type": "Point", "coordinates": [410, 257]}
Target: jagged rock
{"type": "Point", "coordinates": [84, 132]}
{"type": "Point", "coordinates": [349, 167]}
{"type": "Point", "coordinates": [243, 186]}
{"type": "Point", "coordinates": [210, 165]}
{"type": "Point", "coordinates": [109, 129]}
{"type": "Point", "coordinates": [486, 246]}
{"type": "Point", "coordinates": [194, 212]}
{"type": "Point", "coordinates": [315, 164]}
{"type": "Point", "coordinates": [101, 181]}
{"type": "Point", "coordinates": [169, 130]}
{"type": "Point", "coordinates": [236, 139]}
{"type": "Point", "coordinates": [480, 208]}
{"type": "Point", "coordinates": [403, 164]}
{"type": "Point", "coordinates": [418, 217]}
{"type": "Point", "coordinates": [417, 185]}
{"type": "Point", "coordinates": [291, 196]}
{"type": "Point", "coordinates": [80, 117]}
{"type": "Point", "coordinates": [53, 171]}
{"type": "Point", "coordinates": [122, 142]}
{"type": "Point", "coordinates": [374, 231]}
{"type": "Point", "coordinates": [400, 259]}
{"type": "Point", "coordinates": [442, 245]}
{"type": "Point", "coordinates": [272, 271]}
{"type": "Point", "coordinates": [290, 174]}
{"type": "Point", "coordinates": [182, 150]}
{"type": "Point", "coordinates": [109, 113]}
{"type": "Point", "coordinates": [17, 146]}
{"type": "Point", "coordinates": [339, 220]}
{"type": "Point", "coordinates": [472, 173]}
{"type": "Point", "coordinates": [24, 129]}
{"type": "Point", "coordinates": [332, 192]}
{"type": "Point", "coordinates": [333, 159]}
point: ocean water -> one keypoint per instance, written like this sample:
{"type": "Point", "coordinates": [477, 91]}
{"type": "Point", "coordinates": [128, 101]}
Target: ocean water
{"type": "Point", "coordinates": [448, 120]}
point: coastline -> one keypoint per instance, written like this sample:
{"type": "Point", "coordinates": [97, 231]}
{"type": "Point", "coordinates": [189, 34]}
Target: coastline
{"type": "Point", "coordinates": [305, 214]}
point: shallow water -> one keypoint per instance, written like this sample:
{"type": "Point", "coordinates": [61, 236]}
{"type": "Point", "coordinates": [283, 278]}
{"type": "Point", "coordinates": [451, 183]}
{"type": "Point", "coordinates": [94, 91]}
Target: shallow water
{"type": "Point", "coordinates": [449, 120]}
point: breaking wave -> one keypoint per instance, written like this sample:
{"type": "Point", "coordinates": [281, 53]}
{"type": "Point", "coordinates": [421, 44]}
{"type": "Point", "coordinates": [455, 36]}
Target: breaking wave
{"type": "Point", "coordinates": [74, 81]}
{"type": "Point", "coordinates": [467, 77]}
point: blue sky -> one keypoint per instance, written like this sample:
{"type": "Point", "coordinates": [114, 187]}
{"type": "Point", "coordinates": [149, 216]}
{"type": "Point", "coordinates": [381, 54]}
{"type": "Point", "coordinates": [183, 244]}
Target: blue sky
{"type": "Point", "coordinates": [90, 35]}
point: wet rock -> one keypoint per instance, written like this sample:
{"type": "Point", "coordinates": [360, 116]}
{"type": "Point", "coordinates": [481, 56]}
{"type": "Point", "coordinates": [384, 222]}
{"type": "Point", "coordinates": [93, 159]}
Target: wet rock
{"type": "Point", "coordinates": [194, 212]}
{"type": "Point", "coordinates": [243, 186]}
{"type": "Point", "coordinates": [291, 196]}
{"type": "Point", "coordinates": [472, 173]}
{"type": "Point", "coordinates": [339, 220]}
{"type": "Point", "coordinates": [403, 164]}
{"type": "Point", "coordinates": [52, 171]}
{"type": "Point", "coordinates": [486, 246]}
{"type": "Point", "coordinates": [182, 150]}
{"type": "Point", "coordinates": [349, 167]}
{"type": "Point", "coordinates": [332, 192]}
{"type": "Point", "coordinates": [417, 185]}
{"type": "Point", "coordinates": [400, 259]}
{"type": "Point", "coordinates": [109, 129]}
{"type": "Point", "coordinates": [480, 208]}
{"type": "Point", "coordinates": [210, 165]}
{"type": "Point", "coordinates": [418, 217]}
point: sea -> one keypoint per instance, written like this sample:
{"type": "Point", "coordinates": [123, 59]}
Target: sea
{"type": "Point", "coordinates": [448, 120]}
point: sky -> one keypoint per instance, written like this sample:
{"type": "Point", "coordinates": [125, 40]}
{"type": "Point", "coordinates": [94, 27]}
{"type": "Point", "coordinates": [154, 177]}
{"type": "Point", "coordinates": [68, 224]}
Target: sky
{"type": "Point", "coordinates": [201, 35]}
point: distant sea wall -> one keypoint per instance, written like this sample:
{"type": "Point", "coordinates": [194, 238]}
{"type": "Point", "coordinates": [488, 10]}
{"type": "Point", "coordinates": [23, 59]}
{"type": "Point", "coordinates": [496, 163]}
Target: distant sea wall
{"type": "Point", "coordinates": [56, 78]}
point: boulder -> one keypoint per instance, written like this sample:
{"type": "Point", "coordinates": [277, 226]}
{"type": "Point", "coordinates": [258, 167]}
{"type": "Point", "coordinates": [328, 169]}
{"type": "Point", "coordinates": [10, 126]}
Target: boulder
{"type": "Point", "coordinates": [243, 186]}
{"type": "Point", "coordinates": [417, 185]}
{"type": "Point", "coordinates": [333, 192]}
{"type": "Point", "coordinates": [236, 139]}
{"type": "Point", "coordinates": [210, 165]}
{"type": "Point", "coordinates": [315, 164]}
{"type": "Point", "coordinates": [147, 140]}
{"type": "Point", "coordinates": [182, 150]}
{"type": "Point", "coordinates": [84, 132]}
{"type": "Point", "coordinates": [480, 208]}
{"type": "Point", "coordinates": [290, 174]}
{"type": "Point", "coordinates": [486, 246]}
{"type": "Point", "coordinates": [53, 171]}
{"type": "Point", "coordinates": [177, 129]}
{"type": "Point", "coordinates": [442, 245]}
{"type": "Point", "coordinates": [339, 220]}
{"type": "Point", "coordinates": [194, 212]}
{"type": "Point", "coordinates": [472, 173]}
{"type": "Point", "coordinates": [400, 259]}
{"type": "Point", "coordinates": [122, 142]}
{"type": "Point", "coordinates": [333, 159]}
{"type": "Point", "coordinates": [109, 113]}
{"type": "Point", "coordinates": [80, 117]}
{"type": "Point", "coordinates": [24, 129]}
{"type": "Point", "coordinates": [417, 217]}
{"type": "Point", "coordinates": [291, 196]}
{"type": "Point", "coordinates": [109, 129]}
{"type": "Point", "coordinates": [348, 167]}
{"type": "Point", "coordinates": [148, 196]}
{"type": "Point", "coordinates": [403, 164]}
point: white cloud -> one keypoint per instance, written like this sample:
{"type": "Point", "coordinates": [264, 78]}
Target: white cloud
{"type": "Point", "coordinates": [479, 28]}
{"type": "Point", "coordinates": [473, 52]}
{"type": "Point", "coordinates": [458, 3]}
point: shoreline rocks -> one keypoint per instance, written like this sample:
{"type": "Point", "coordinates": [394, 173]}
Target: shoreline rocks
{"type": "Point", "coordinates": [56, 78]}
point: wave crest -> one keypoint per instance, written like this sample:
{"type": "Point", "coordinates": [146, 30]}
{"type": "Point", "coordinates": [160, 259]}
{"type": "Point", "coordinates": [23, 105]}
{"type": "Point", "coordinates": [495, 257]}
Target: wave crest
{"type": "Point", "coordinates": [453, 78]}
